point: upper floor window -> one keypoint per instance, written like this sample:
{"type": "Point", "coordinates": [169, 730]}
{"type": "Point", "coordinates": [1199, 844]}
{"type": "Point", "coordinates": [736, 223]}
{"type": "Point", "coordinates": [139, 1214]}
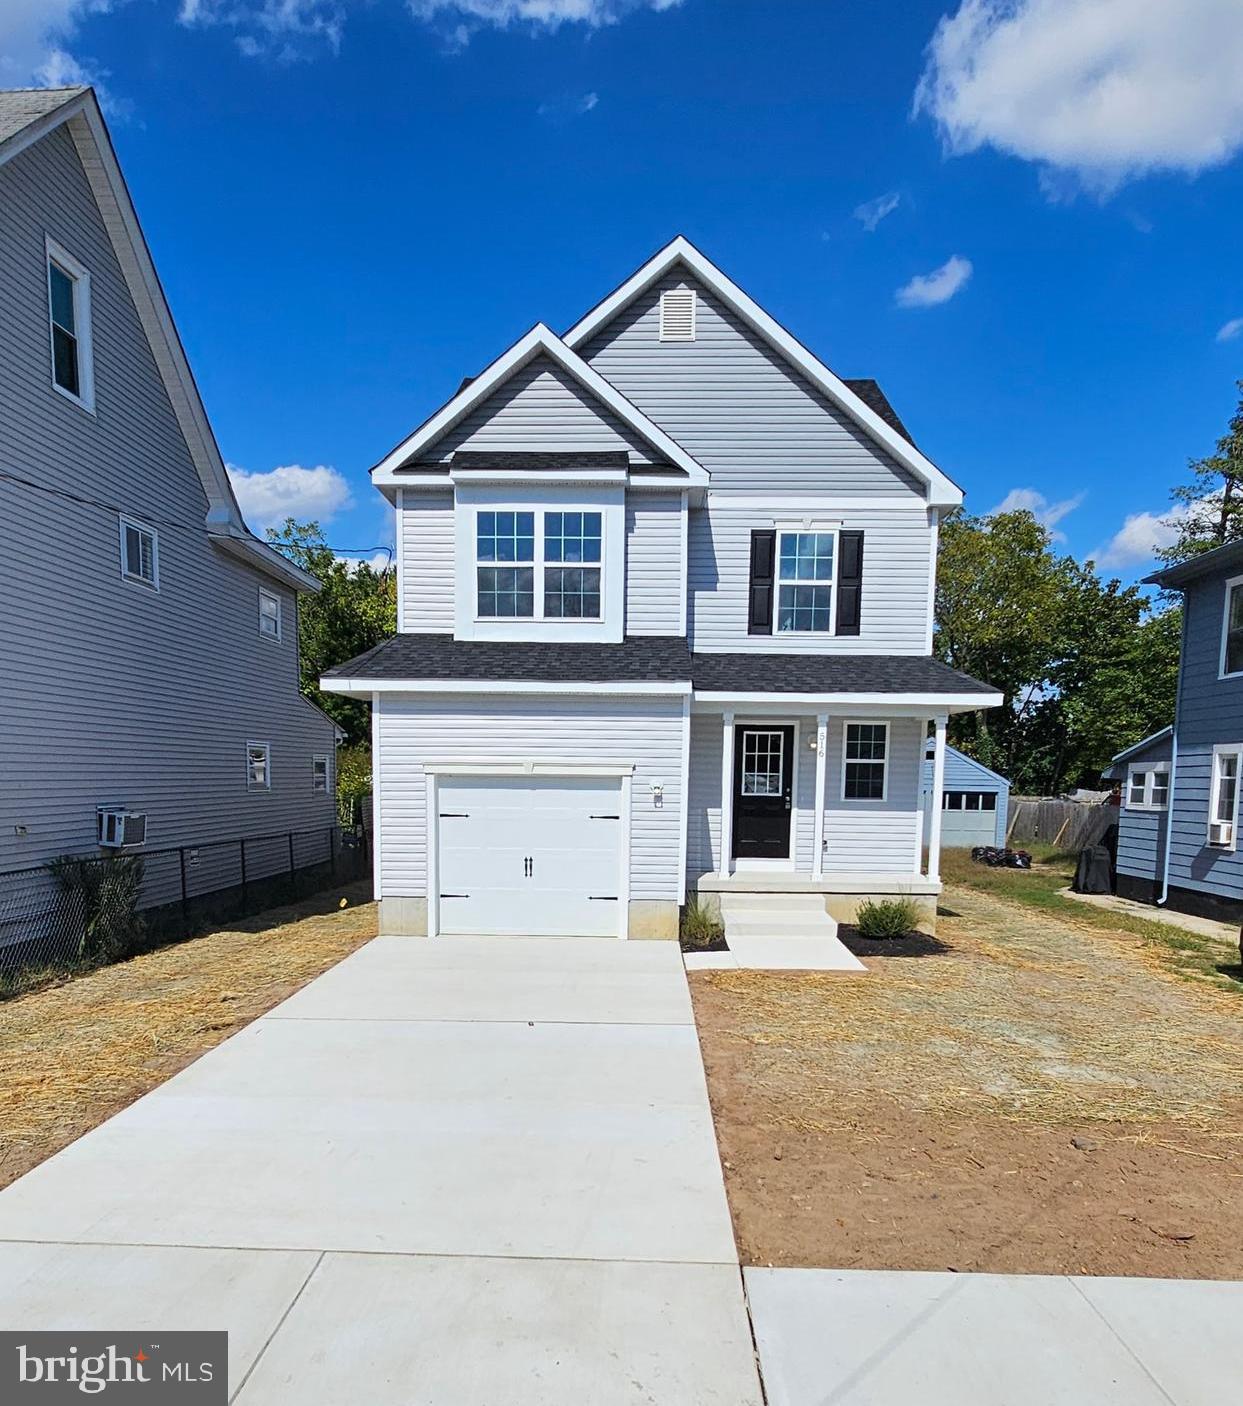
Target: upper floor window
{"type": "Point", "coordinates": [567, 547]}
{"type": "Point", "coordinates": [1232, 629]}
{"type": "Point", "coordinates": [1148, 788]}
{"type": "Point", "coordinates": [269, 614]}
{"type": "Point", "coordinates": [258, 766]}
{"type": "Point", "coordinates": [319, 775]}
{"type": "Point", "coordinates": [69, 326]}
{"type": "Point", "coordinates": [140, 553]}
{"type": "Point", "coordinates": [805, 582]}
{"type": "Point", "coordinates": [865, 762]}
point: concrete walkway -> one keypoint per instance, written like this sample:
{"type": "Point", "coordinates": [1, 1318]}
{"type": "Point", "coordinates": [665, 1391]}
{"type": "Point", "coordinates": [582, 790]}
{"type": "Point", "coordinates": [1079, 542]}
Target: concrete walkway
{"type": "Point", "coordinates": [1150, 913]}
{"type": "Point", "coordinates": [875, 1338]}
{"type": "Point", "coordinates": [447, 1173]}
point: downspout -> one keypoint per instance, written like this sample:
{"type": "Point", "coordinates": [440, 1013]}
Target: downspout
{"type": "Point", "coordinates": [1169, 812]}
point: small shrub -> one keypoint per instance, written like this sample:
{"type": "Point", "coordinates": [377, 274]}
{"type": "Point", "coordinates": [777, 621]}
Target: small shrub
{"type": "Point", "coordinates": [104, 894]}
{"type": "Point", "coordinates": [699, 928]}
{"type": "Point", "coordinates": [881, 918]}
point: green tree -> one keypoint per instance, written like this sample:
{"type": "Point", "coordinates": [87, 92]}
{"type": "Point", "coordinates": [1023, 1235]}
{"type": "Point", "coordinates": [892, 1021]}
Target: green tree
{"type": "Point", "coordinates": [1212, 502]}
{"type": "Point", "coordinates": [355, 609]}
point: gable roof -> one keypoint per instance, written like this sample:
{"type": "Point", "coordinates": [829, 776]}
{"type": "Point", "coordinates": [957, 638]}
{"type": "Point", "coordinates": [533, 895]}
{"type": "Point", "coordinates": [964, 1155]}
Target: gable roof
{"type": "Point", "coordinates": [1143, 745]}
{"type": "Point", "coordinates": [393, 470]}
{"type": "Point", "coordinates": [952, 753]}
{"type": "Point", "coordinates": [852, 401]}
{"type": "Point", "coordinates": [28, 115]}
{"type": "Point", "coordinates": [1174, 578]}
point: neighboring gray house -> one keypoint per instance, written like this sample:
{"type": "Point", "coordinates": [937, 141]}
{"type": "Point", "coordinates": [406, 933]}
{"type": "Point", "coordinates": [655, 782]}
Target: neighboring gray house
{"type": "Point", "coordinates": [1178, 828]}
{"type": "Point", "coordinates": [665, 623]}
{"type": "Point", "coordinates": [148, 640]}
{"type": "Point", "coordinates": [974, 801]}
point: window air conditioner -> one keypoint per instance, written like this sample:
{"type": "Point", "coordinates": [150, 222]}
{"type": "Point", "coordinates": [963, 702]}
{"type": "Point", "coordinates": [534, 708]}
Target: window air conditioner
{"type": "Point", "coordinates": [120, 829]}
{"type": "Point", "coordinates": [1221, 834]}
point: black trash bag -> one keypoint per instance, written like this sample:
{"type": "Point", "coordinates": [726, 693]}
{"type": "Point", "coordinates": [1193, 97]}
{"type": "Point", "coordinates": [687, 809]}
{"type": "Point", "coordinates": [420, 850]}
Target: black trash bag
{"type": "Point", "coordinates": [1017, 859]}
{"type": "Point", "coordinates": [1094, 872]}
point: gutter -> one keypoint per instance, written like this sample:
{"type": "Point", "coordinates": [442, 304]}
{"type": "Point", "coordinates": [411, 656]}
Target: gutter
{"type": "Point", "coordinates": [1169, 814]}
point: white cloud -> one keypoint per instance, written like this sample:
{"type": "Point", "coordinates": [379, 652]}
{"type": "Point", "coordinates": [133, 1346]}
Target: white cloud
{"type": "Point", "coordinates": [1103, 89]}
{"type": "Point", "coordinates": [1139, 538]}
{"type": "Point", "coordinates": [1047, 514]}
{"type": "Point", "coordinates": [557, 109]}
{"type": "Point", "coordinates": [872, 212]}
{"type": "Point", "coordinates": [280, 29]}
{"type": "Point", "coordinates": [1229, 331]}
{"type": "Point", "coordinates": [267, 499]}
{"type": "Point", "coordinates": [926, 290]}
{"type": "Point", "coordinates": [33, 39]}
{"type": "Point", "coordinates": [378, 561]}
{"type": "Point", "coordinates": [539, 14]}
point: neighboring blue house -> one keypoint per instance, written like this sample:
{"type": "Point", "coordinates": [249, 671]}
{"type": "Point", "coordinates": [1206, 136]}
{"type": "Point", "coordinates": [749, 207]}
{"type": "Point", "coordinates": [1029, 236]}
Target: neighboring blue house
{"type": "Point", "coordinates": [976, 801]}
{"type": "Point", "coordinates": [1178, 841]}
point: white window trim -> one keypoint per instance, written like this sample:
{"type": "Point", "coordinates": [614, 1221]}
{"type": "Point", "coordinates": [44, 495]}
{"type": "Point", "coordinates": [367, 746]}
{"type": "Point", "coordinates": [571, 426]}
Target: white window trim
{"type": "Point", "coordinates": [139, 526]}
{"type": "Point", "coordinates": [1149, 770]}
{"type": "Point", "coordinates": [265, 594]}
{"type": "Point", "coordinates": [1225, 630]}
{"type": "Point", "coordinates": [781, 761]}
{"type": "Point", "coordinates": [327, 787]}
{"type": "Point", "coordinates": [539, 566]}
{"type": "Point", "coordinates": [847, 724]}
{"type": "Point", "coordinates": [267, 766]}
{"type": "Point", "coordinates": [1225, 749]}
{"type": "Point", "coordinates": [56, 253]}
{"type": "Point", "coordinates": [784, 530]}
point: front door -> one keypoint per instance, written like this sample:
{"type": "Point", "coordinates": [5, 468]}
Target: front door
{"type": "Point", "coordinates": [763, 787]}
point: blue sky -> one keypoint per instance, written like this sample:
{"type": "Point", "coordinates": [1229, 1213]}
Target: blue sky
{"type": "Point", "coordinates": [352, 205]}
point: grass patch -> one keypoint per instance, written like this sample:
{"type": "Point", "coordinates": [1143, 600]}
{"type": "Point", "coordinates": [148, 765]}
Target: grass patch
{"type": "Point", "coordinates": [1194, 956]}
{"type": "Point", "coordinates": [699, 929]}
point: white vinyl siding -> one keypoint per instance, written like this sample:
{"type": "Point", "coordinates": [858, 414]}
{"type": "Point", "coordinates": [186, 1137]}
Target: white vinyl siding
{"type": "Point", "coordinates": [655, 585]}
{"type": "Point", "coordinates": [425, 522]}
{"type": "Point", "coordinates": [647, 732]}
{"type": "Point", "coordinates": [541, 407]}
{"type": "Point", "coordinates": [897, 549]}
{"type": "Point", "coordinates": [738, 407]}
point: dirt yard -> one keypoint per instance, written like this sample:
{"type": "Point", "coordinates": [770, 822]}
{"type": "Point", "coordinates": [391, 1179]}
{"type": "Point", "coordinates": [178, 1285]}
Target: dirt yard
{"type": "Point", "coordinates": [71, 1055]}
{"type": "Point", "coordinates": [1033, 1093]}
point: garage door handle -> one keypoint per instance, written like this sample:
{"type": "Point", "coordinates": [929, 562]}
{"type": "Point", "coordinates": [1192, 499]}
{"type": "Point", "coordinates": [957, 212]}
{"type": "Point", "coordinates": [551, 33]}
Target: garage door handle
{"type": "Point", "coordinates": [454, 815]}
{"type": "Point", "coordinates": [604, 817]}
{"type": "Point", "coordinates": [528, 868]}
{"type": "Point", "coordinates": [602, 898]}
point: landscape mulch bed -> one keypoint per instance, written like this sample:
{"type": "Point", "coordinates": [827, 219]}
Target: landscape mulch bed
{"type": "Point", "coordinates": [73, 1054]}
{"type": "Point", "coordinates": [1034, 1096]}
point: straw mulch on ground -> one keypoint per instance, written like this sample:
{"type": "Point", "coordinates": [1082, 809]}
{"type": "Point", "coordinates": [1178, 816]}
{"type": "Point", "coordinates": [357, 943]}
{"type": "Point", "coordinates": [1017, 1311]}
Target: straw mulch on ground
{"type": "Point", "coordinates": [1036, 1095]}
{"type": "Point", "coordinates": [73, 1054]}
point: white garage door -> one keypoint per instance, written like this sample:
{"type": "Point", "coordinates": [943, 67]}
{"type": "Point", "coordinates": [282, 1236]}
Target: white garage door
{"type": "Point", "coordinates": [534, 855]}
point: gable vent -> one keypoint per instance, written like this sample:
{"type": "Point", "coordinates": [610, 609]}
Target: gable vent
{"type": "Point", "coordinates": [677, 315]}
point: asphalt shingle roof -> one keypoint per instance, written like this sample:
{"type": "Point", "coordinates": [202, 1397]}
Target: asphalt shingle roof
{"type": "Point", "coordinates": [19, 107]}
{"type": "Point", "coordinates": [870, 393]}
{"type": "Point", "coordinates": [656, 659]}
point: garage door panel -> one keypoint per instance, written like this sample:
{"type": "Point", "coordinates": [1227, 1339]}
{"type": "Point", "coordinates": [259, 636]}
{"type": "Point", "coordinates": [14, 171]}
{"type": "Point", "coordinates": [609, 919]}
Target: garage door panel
{"type": "Point", "coordinates": [530, 855]}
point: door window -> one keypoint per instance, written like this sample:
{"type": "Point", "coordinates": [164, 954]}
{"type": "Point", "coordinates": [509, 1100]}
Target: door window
{"type": "Point", "coordinates": [762, 762]}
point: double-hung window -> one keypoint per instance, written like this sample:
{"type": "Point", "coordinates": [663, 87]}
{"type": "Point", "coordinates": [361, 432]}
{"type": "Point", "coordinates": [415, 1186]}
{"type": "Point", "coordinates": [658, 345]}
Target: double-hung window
{"type": "Point", "coordinates": [319, 775]}
{"type": "Point", "coordinates": [140, 553]}
{"type": "Point", "coordinates": [1148, 788]}
{"type": "Point", "coordinates": [258, 766]}
{"type": "Point", "coordinates": [269, 614]}
{"type": "Point", "coordinates": [1224, 800]}
{"type": "Point", "coordinates": [805, 563]}
{"type": "Point", "coordinates": [865, 762]}
{"type": "Point", "coordinates": [1232, 629]}
{"type": "Point", "coordinates": [69, 326]}
{"type": "Point", "coordinates": [565, 547]}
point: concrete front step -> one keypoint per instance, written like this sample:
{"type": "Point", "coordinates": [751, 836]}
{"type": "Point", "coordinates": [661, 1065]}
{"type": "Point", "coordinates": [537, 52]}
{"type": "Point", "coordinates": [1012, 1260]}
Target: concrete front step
{"type": "Point", "coordinates": [780, 925]}
{"type": "Point", "coordinates": [783, 932]}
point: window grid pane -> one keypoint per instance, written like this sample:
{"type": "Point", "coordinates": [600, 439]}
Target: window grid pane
{"type": "Point", "coordinates": [139, 554]}
{"type": "Point", "coordinates": [805, 558]}
{"type": "Point", "coordinates": [506, 592]}
{"type": "Point", "coordinates": [505, 537]}
{"type": "Point", "coordinates": [572, 537]}
{"type": "Point", "coordinates": [572, 592]}
{"type": "Point", "coordinates": [763, 757]}
{"type": "Point", "coordinates": [865, 762]}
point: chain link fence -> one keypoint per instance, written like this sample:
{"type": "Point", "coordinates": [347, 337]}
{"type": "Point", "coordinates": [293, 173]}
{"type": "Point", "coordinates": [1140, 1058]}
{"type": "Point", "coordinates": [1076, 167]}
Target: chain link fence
{"type": "Point", "coordinates": [77, 912]}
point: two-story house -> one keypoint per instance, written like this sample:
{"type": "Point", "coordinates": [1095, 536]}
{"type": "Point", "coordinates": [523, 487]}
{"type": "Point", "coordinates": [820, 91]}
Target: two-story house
{"type": "Point", "coordinates": [1178, 825]}
{"type": "Point", "coordinates": [148, 642]}
{"type": "Point", "coordinates": [665, 621]}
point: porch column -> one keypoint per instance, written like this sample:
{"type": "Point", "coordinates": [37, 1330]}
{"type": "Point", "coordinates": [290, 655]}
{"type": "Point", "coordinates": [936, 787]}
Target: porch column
{"type": "Point", "coordinates": [936, 800]}
{"type": "Point", "coordinates": [822, 766]}
{"type": "Point", "coordinates": [727, 791]}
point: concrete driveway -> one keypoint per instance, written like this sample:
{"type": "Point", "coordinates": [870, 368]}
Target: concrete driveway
{"type": "Point", "coordinates": [447, 1172]}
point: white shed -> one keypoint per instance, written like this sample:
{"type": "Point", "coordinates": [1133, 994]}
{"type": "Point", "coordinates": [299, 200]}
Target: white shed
{"type": "Point", "coordinates": [975, 801]}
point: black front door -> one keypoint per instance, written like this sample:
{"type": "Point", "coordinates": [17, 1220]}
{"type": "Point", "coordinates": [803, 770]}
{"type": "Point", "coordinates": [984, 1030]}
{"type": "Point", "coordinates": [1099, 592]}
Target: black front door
{"type": "Point", "coordinates": [763, 786]}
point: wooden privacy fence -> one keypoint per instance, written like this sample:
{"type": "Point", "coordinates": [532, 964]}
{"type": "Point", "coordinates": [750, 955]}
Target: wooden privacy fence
{"type": "Point", "coordinates": [1066, 824]}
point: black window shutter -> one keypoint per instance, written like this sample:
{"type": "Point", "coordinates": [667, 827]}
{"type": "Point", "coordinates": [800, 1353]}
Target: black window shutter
{"type": "Point", "coordinates": [849, 582]}
{"type": "Point", "coordinates": [763, 565]}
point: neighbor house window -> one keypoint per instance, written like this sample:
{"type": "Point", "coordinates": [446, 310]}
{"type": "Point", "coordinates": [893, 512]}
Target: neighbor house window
{"type": "Point", "coordinates": [865, 761]}
{"type": "Point", "coordinates": [805, 582]}
{"type": "Point", "coordinates": [140, 553]}
{"type": "Point", "coordinates": [572, 548]}
{"type": "Point", "coordinates": [1148, 788]}
{"type": "Point", "coordinates": [969, 800]}
{"type": "Point", "coordinates": [502, 542]}
{"type": "Point", "coordinates": [258, 766]}
{"type": "Point", "coordinates": [319, 775]}
{"type": "Point", "coordinates": [1224, 800]}
{"type": "Point", "coordinates": [69, 325]}
{"type": "Point", "coordinates": [1232, 629]}
{"type": "Point", "coordinates": [269, 614]}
